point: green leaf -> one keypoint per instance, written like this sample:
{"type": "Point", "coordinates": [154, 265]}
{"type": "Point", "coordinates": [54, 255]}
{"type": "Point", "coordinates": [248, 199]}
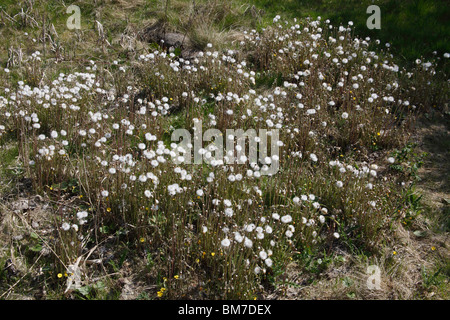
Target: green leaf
{"type": "Point", "coordinates": [347, 282]}
{"type": "Point", "coordinates": [351, 295]}
{"type": "Point", "coordinates": [84, 290]}
{"type": "Point", "coordinates": [36, 248]}
{"type": "Point", "coordinates": [99, 285]}
{"type": "Point", "coordinates": [104, 229]}
{"type": "Point", "coordinates": [177, 52]}
{"type": "Point", "coordinates": [34, 235]}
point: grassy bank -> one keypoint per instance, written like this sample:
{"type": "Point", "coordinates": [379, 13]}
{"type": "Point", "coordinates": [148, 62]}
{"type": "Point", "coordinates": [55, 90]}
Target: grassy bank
{"type": "Point", "coordinates": [413, 28]}
{"type": "Point", "coordinates": [99, 202]}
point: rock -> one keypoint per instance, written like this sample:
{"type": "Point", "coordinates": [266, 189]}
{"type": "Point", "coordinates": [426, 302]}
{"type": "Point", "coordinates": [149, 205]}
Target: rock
{"type": "Point", "coordinates": [23, 205]}
{"type": "Point", "coordinates": [20, 206]}
{"type": "Point", "coordinates": [176, 40]}
{"type": "Point", "coordinates": [292, 293]}
{"type": "Point", "coordinates": [129, 290]}
{"type": "Point", "coordinates": [18, 237]}
{"type": "Point", "coordinates": [158, 33]}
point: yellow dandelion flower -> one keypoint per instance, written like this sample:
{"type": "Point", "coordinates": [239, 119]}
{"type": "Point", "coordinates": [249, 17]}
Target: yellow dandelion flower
{"type": "Point", "coordinates": [59, 275]}
{"type": "Point", "coordinates": [394, 253]}
{"type": "Point", "coordinates": [160, 294]}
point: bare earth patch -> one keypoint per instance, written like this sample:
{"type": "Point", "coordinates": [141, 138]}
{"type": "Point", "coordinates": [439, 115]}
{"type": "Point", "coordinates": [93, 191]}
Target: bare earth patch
{"type": "Point", "coordinates": [433, 137]}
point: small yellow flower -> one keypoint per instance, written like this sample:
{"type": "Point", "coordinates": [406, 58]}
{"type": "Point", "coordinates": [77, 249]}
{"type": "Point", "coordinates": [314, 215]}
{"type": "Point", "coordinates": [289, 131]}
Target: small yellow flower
{"type": "Point", "coordinates": [142, 240]}
{"type": "Point", "coordinates": [378, 133]}
{"type": "Point", "coordinates": [163, 289]}
{"type": "Point", "coordinates": [433, 248]}
{"type": "Point", "coordinates": [108, 209]}
{"type": "Point", "coordinates": [394, 253]}
{"type": "Point", "coordinates": [213, 254]}
{"type": "Point", "coordinates": [160, 294]}
{"type": "Point", "coordinates": [59, 275]}
{"type": "Point", "coordinates": [176, 276]}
